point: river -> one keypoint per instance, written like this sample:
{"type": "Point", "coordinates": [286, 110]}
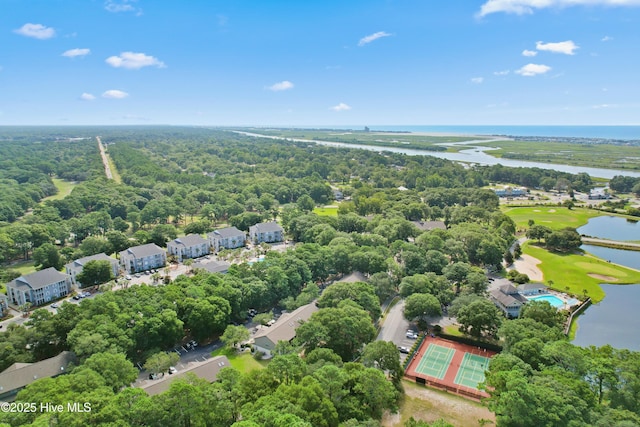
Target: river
{"type": "Point", "coordinates": [474, 155]}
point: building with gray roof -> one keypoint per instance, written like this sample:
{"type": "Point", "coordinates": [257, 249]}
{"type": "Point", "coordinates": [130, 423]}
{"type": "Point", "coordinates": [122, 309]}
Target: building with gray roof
{"type": "Point", "coordinates": [39, 288]}
{"type": "Point", "coordinates": [267, 232]}
{"type": "Point", "coordinates": [212, 266]}
{"type": "Point", "coordinates": [226, 238]}
{"type": "Point", "coordinates": [284, 329]}
{"type": "Point", "coordinates": [19, 375]}
{"type": "Point", "coordinates": [207, 370]}
{"type": "Point", "coordinates": [142, 258]}
{"type": "Point", "coordinates": [191, 246]}
{"type": "Point", "coordinates": [75, 267]}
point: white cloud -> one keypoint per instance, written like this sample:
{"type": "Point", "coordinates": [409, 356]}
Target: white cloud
{"type": "Point", "coordinates": [340, 107]}
{"type": "Point", "coordinates": [529, 52]}
{"type": "Point", "coordinates": [134, 61]}
{"type": "Point", "coordinates": [372, 37]}
{"type": "Point", "coordinates": [533, 70]}
{"type": "Point", "coordinates": [606, 39]}
{"type": "Point", "coordinates": [601, 106]}
{"type": "Point", "coordinates": [283, 85]}
{"type": "Point", "coordinates": [524, 7]}
{"type": "Point", "coordinates": [501, 73]}
{"type": "Point", "coordinates": [122, 6]}
{"type": "Point", "coordinates": [88, 97]}
{"type": "Point", "coordinates": [72, 53]}
{"type": "Point", "coordinates": [566, 48]}
{"type": "Point", "coordinates": [115, 94]}
{"type": "Point", "coordinates": [477, 80]}
{"type": "Point", "coordinates": [37, 31]}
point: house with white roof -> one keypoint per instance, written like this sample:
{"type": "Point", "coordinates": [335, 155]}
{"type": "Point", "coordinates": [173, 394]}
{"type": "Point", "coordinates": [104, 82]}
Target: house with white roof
{"type": "Point", "coordinates": [142, 258]}
{"type": "Point", "coordinates": [75, 267]}
{"type": "Point", "coordinates": [39, 288]}
{"type": "Point", "coordinates": [226, 238]}
{"type": "Point", "coordinates": [267, 232]}
{"type": "Point", "coordinates": [191, 246]}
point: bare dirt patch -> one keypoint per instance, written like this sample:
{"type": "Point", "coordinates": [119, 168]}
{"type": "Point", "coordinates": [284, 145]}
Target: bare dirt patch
{"type": "Point", "coordinates": [528, 265]}
{"type": "Point", "coordinates": [602, 277]}
{"type": "Point", "coordinates": [430, 405]}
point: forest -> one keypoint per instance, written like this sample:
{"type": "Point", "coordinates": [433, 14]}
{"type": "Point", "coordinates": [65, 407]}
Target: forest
{"type": "Point", "coordinates": [176, 181]}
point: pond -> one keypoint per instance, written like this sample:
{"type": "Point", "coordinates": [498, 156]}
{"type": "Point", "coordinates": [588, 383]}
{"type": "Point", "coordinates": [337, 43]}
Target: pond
{"type": "Point", "coordinates": [613, 321]}
{"type": "Point", "coordinates": [618, 256]}
{"type": "Point", "coordinates": [611, 227]}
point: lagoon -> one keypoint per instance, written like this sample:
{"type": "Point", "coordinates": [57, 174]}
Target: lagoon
{"type": "Point", "coordinates": [629, 259]}
{"type": "Point", "coordinates": [613, 321]}
{"type": "Point", "coordinates": [611, 227]}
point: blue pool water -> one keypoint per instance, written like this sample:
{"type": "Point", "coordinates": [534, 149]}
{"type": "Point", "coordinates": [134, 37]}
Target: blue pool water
{"type": "Point", "coordinates": [551, 299]}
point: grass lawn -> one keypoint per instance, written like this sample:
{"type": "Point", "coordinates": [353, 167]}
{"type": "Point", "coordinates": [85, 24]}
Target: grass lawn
{"type": "Point", "coordinates": [243, 362]}
{"type": "Point", "coordinates": [453, 330]}
{"type": "Point", "coordinates": [580, 272]}
{"type": "Point", "coordinates": [326, 211]}
{"type": "Point", "coordinates": [64, 189]}
{"type": "Point", "coordinates": [426, 404]}
{"type": "Point", "coordinates": [552, 217]}
{"type": "Point", "coordinates": [24, 267]}
{"type": "Point", "coordinates": [114, 170]}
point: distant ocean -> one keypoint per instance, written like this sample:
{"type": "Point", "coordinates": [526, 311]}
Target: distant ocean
{"type": "Point", "coordinates": [606, 132]}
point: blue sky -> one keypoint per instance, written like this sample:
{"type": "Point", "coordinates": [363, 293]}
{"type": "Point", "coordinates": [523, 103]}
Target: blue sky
{"type": "Point", "coordinates": [319, 62]}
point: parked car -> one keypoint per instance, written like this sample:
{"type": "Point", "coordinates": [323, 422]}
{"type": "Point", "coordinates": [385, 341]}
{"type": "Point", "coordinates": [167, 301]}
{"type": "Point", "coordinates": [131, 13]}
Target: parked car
{"type": "Point", "coordinates": [54, 305]}
{"type": "Point", "coordinates": [77, 297]}
{"type": "Point", "coordinates": [404, 350]}
{"type": "Point", "coordinates": [172, 370]}
{"type": "Point", "coordinates": [127, 277]}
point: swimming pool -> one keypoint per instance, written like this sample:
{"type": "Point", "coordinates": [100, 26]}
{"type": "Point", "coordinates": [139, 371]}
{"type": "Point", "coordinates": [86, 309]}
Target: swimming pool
{"type": "Point", "coordinates": [551, 299]}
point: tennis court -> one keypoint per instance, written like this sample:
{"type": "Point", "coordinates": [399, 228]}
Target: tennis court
{"type": "Point", "coordinates": [435, 361]}
{"type": "Point", "coordinates": [471, 371]}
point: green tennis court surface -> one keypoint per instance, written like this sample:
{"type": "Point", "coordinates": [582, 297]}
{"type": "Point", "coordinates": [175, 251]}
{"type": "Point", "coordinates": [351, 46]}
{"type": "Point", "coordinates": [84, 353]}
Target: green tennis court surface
{"type": "Point", "coordinates": [471, 371]}
{"type": "Point", "coordinates": [435, 361]}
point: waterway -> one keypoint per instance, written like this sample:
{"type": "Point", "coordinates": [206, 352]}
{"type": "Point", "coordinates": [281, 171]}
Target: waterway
{"type": "Point", "coordinates": [613, 321]}
{"type": "Point", "coordinates": [612, 227]}
{"type": "Point", "coordinates": [473, 155]}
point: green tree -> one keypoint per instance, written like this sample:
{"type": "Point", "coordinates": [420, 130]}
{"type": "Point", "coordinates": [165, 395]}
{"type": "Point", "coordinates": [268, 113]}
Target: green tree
{"type": "Point", "coordinates": [116, 370]}
{"type": "Point", "coordinates": [421, 306]}
{"type": "Point", "coordinates": [233, 335]}
{"type": "Point", "coordinates": [160, 362]}
{"type": "Point", "coordinates": [344, 329]}
{"type": "Point", "coordinates": [47, 256]}
{"type": "Point", "coordinates": [383, 355]}
{"type": "Point", "coordinates": [95, 272]}
{"type": "Point", "coordinates": [207, 317]}
{"type": "Point", "coordinates": [480, 317]}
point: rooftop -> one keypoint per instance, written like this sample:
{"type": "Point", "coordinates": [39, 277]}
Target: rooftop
{"type": "Point", "coordinates": [80, 262]}
{"type": "Point", "coordinates": [285, 328]}
{"type": "Point", "coordinates": [39, 279]}
{"type": "Point", "coordinates": [207, 370]}
{"type": "Point", "coordinates": [143, 250]}
{"type": "Point", "coordinates": [266, 227]}
{"type": "Point", "coordinates": [226, 232]}
{"type": "Point", "coordinates": [213, 266]}
{"type": "Point", "coordinates": [20, 375]}
{"type": "Point", "coordinates": [189, 240]}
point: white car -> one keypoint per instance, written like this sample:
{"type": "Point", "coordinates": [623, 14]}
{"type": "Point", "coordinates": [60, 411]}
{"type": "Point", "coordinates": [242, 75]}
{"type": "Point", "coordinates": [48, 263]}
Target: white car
{"type": "Point", "coordinates": [172, 370]}
{"type": "Point", "coordinates": [54, 305]}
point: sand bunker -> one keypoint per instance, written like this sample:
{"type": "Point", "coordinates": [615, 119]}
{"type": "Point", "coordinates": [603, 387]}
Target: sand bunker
{"type": "Point", "coordinates": [602, 277]}
{"type": "Point", "coordinates": [528, 265]}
